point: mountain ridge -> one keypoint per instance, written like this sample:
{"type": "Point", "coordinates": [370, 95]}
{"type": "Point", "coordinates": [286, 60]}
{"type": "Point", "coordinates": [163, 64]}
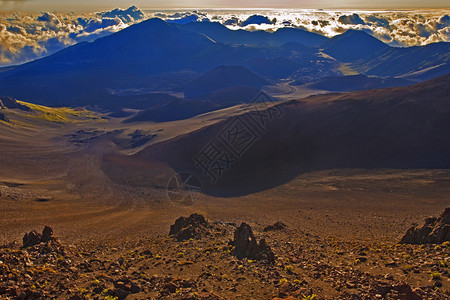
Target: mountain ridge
{"type": "Point", "coordinates": [155, 56]}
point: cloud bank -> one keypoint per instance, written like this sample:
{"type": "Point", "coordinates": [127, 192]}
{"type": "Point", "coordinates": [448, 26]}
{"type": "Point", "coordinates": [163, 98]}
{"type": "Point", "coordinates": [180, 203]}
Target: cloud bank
{"type": "Point", "coordinates": [27, 36]}
{"type": "Point", "coordinates": [397, 28]}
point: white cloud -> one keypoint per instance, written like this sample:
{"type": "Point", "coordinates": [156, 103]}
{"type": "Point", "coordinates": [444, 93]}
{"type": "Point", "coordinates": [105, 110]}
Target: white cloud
{"type": "Point", "coordinates": [25, 37]}
{"type": "Point", "coordinates": [16, 44]}
{"type": "Point", "coordinates": [50, 20]}
{"type": "Point", "coordinates": [92, 25]}
{"type": "Point", "coordinates": [444, 21]}
{"type": "Point", "coordinates": [183, 17]}
{"type": "Point", "coordinates": [378, 21]}
{"type": "Point", "coordinates": [184, 20]}
{"type": "Point", "coordinates": [129, 15]}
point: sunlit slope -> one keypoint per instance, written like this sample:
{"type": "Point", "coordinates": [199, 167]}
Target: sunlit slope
{"type": "Point", "coordinates": [43, 115]}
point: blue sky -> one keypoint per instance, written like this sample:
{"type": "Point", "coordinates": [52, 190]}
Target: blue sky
{"type": "Point", "coordinates": [39, 5]}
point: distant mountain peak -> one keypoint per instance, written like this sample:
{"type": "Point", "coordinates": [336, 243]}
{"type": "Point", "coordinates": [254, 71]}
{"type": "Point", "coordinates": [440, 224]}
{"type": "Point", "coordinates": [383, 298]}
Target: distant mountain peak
{"type": "Point", "coordinates": [359, 35]}
{"type": "Point", "coordinates": [355, 32]}
{"type": "Point", "coordinates": [222, 34]}
{"type": "Point", "coordinates": [155, 23]}
{"type": "Point", "coordinates": [353, 45]}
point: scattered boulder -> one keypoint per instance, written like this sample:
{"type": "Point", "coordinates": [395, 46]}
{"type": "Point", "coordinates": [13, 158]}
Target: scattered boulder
{"type": "Point", "coordinates": [169, 285]}
{"type": "Point", "coordinates": [405, 291]}
{"type": "Point", "coordinates": [399, 290]}
{"type": "Point", "coordinates": [246, 245]}
{"type": "Point", "coordinates": [34, 238]}
{"type": "Point", "coordinates": [31, 239]}
{"type": "Point", "coordinates": [47, 235]}
{"type": "Point", "coordinates": [124, 287]}
{"type": "Point", "coordinates": [187, 228]}
{"type": "Point", "coordinates": [276, 226]}
{"type": "Point", "coordinates": [434, 231]}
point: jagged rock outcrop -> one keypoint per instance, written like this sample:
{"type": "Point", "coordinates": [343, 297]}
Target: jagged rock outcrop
{"type": "Point", "coordinates": [246, 245]}
{"type": "Point", "coordinates": [187, 228]}
{"type": "Point", "coordinates": [34, 238]}
{"type": "Point", "coordinates": [276, 226]}
{"type": "Point", "coordinates": [8, 102]}
{"type": "Point", "coordinates": [434, 231]}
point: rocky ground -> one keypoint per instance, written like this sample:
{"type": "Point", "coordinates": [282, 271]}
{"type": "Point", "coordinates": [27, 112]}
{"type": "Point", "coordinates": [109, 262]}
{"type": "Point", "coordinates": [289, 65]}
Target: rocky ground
{"type": "Point", "coordinates": [203, 259]}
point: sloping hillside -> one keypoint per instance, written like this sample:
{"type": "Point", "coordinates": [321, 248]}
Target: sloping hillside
{"type": "Point", "coordinates": [388, 128]}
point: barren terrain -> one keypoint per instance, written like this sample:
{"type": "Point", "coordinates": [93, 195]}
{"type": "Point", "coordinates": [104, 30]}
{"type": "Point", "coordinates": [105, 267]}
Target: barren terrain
{"type": "Point", "coordinates": [343, 225]}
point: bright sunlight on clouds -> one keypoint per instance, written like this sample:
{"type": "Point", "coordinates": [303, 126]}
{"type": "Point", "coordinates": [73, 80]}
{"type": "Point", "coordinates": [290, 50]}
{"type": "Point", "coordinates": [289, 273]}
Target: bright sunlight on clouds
{"type": "Point", "coordinates": [25, 36]}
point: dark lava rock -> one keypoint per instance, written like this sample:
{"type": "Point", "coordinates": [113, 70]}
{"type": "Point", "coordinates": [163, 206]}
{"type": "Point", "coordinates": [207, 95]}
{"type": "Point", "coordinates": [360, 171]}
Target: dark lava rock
{"type": "Point", "coordinates": [405, 291]}
{"type": "Point", "coordinates": [124, 287]}
{"type": "Point", "coordinates": [434, 231]}
{"type": "Point", "coordinates": [246, 245]}
{"type": "Point", "coordinates": [76, 297]}
{"type": "Point", "coordinates": [187, 228]}
{"type": "Point", "coordinates": [276, 226]}
{"type": "Point", "coordinates": [400, 290]}
{"type": "Point", "coordinates": [31, 239]}
{"type": "Point", "coordinates": [186, 233]}
{"type": "Point", "coordinates": [4, 118]}
{"type": "Point", "coordinates": [34, 238]}
{"type": "Point", "coordinates": [47, 235]}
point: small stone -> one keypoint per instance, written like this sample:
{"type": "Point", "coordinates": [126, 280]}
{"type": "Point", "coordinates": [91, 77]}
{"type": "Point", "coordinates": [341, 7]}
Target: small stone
{"type": "Point", "coordinates": [391, 264]}
{"type": "Point", "coordinates": [171, 287]}
{"type": "Point", "coordinates": [388, 277]}
{"type": "Point", "coordinates": [362, 258]}
{"type": "Point", "coordinates": [276, 226]}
